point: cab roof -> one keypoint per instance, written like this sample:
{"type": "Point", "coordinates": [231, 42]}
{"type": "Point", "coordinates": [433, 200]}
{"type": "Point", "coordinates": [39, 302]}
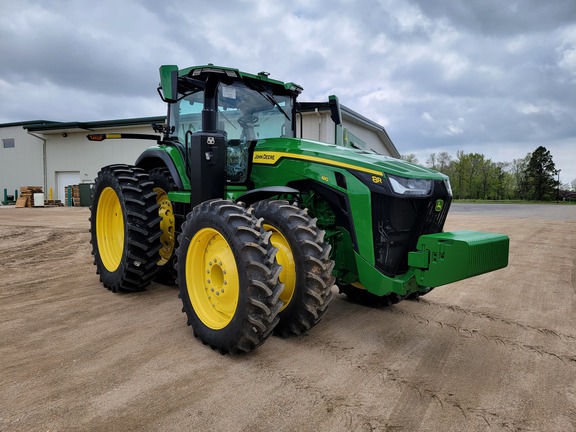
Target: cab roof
{"type": "Point", "coordinates": [203, 71]}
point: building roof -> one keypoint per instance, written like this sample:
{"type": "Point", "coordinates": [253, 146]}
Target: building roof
{"type": "Point", "coordinates": [49, 127]}
{"type": "Point", "coordinates": [24, 124]}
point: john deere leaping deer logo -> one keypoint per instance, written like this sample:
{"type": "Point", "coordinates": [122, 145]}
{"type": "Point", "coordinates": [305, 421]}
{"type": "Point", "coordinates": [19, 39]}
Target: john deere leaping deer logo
{"type": "Point", "coordinates": [439, 205]}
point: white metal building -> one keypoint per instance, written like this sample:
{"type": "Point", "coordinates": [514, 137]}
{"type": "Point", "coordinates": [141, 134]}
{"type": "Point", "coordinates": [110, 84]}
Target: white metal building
{"type": "Point", "coordinates": [21, 158]}
{"type": "Point", "coordinates": [55, 155]}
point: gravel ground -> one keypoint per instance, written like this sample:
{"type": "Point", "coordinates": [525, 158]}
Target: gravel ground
{"type": "Point", "coordinates": [492, 353]}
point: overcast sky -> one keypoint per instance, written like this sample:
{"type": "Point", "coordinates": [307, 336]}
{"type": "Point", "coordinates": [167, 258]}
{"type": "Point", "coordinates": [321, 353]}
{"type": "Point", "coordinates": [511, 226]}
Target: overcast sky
{"type": "Point", "coordinates": [487, 76]}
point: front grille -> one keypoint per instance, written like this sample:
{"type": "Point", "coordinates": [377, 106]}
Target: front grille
{"type": "Point", "coordinates": [399, 222]}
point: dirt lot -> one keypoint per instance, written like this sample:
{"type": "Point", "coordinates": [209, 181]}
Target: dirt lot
{"type": "Point", "coordinates": [496, 352]}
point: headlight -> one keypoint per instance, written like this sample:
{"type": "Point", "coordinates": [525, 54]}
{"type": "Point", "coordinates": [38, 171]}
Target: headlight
{"type": "Point", "coordinates": [409, 186]}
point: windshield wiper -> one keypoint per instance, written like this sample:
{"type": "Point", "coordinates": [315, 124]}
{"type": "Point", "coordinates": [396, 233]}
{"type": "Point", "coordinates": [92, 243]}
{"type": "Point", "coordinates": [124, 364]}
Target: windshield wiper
{"type": "Point", "coordinates": [273, 101]}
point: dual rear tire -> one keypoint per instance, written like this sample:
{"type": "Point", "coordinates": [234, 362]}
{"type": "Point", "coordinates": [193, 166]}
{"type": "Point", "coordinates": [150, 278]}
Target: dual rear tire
{"type": "Point", "coordinates": [125, 228]}
{"type": "Point", "coordinates": [228, 277]}
{"type": "Point", "coordinates": [244, 273]}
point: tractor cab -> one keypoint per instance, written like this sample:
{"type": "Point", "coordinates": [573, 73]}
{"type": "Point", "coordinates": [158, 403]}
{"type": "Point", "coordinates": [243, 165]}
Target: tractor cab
{"type": "Point", "coordinates": [236, 108]}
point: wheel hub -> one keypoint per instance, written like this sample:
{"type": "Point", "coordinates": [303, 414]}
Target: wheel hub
{"type": "Point", "coordinates": [167, 226]}
{"type": "Point", "coordinates": [212, 278]}
{"type": "Point", "coordinates": [285, 258]}
{"type": "Point", "coordinates": [110, 229]}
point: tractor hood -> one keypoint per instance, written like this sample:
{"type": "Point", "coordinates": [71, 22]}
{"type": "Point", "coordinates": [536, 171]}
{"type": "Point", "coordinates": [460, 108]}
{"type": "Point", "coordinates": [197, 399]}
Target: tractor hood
{"type": "Point", "coordinates": [267, 152]}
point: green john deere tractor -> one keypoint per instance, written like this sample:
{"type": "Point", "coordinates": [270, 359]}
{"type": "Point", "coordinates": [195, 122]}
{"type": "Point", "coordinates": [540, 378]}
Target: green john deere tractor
{"type": "Point", "coordinates": [256, 226]}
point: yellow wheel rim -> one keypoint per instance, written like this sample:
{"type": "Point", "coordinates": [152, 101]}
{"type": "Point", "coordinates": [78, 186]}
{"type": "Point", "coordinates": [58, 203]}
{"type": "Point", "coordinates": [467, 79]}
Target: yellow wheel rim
{"type": "Point", "coordinates": [212, 278]}
{"type": "Point", "coordinates": [110, 229]}
{"type": "Point", "coordinates": [167, 226]}
{"type": "Point", "coordinates": [285, 258]}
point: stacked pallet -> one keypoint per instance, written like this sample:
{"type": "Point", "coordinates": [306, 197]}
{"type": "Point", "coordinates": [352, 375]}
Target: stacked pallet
{"type": "Point", "coordinates": [26, 198]}
{"type": "Point", "coordinates": [53, 203]}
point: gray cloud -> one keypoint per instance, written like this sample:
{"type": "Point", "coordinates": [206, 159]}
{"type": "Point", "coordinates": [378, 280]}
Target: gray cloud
{"type": "Point", "coordinates": [497, 18]}
{"type": "Point", "coordinates": [491, 77]}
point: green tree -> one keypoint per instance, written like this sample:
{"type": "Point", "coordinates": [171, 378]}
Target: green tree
{"type": "Point", "coordinates": [509, 186]}
{"type": "Point", "coordinates": [458, 174]}
{"type": "Point", "coordinates": [410, 158]}
{"type": "Point", "coordinates": [479, 175]}
{"type": "Point", "coordinates": [439, 162]}
{"type": "Point", "coordinates": [539, 182]}
{"type": "Point", "coordinates": [474, 177]}
{"type": "Point", "coordinates": [431, 161]}
{"type": "Point", "coordinates": [443, 161]}
{"type": "Point", "coordinates": [518, 172]}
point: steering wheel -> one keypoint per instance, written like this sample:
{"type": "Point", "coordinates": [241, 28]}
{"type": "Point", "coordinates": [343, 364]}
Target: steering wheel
{"type": "Point", "coordinates": [248, 120]}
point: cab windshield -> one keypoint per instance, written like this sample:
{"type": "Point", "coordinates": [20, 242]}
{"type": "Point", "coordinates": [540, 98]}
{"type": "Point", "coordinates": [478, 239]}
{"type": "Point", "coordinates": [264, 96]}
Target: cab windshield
{"type": "Point", "coordinates": [245, 114]}
{"type": "Point", "coordinates": [248, 114]}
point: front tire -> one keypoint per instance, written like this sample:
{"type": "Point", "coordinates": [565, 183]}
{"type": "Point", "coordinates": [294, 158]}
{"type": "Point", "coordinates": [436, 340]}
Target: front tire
{"type": "Point", "coordinates": [228, 277]}
{"type": "Point", "coordinates": [307, 267]}
{"type": "Point", "coordinates": [125, 228]}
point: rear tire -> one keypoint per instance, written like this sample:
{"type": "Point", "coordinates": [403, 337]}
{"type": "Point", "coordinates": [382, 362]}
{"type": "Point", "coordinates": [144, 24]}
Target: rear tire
{"type": "Point", "coordinates": [164, 183]}
{"type": "Point", "coordinates": [307, 267]}
{"type": "Point", "coordinates": [228, 277]}
{"type": "Point", "coordinates": [125, 228]}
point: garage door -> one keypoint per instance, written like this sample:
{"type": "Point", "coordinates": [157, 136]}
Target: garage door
{"type": "Point", "coordinates": [63, 179]}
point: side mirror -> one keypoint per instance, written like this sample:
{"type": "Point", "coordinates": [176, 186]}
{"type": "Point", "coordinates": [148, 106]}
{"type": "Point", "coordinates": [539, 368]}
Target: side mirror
{"type": "Point", "coordinates": [169, 83]}
{"type": "Point", "coordinates": [335, 112]}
